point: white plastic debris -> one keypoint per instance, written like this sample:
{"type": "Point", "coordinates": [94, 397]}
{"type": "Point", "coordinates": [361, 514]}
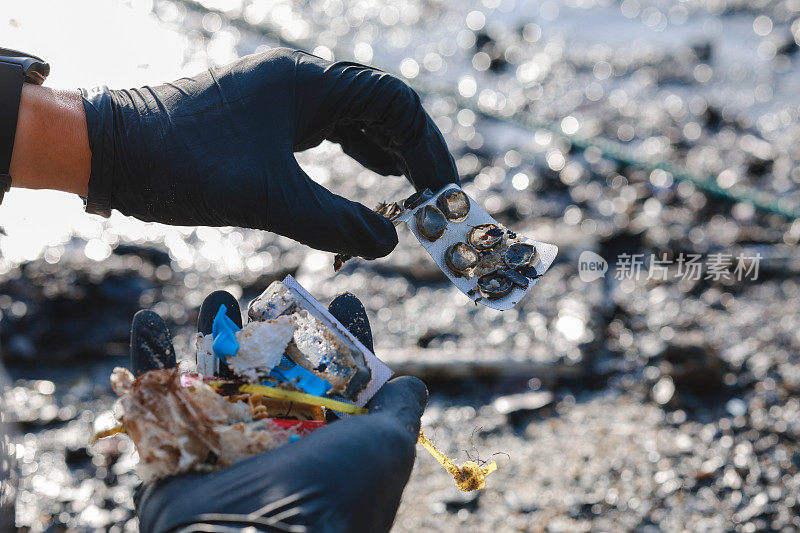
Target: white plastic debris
{"type": "Point", "coordinates": [207, 363]}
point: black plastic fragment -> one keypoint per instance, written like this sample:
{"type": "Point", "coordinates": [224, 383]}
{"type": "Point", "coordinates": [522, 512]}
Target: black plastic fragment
{"type": "Point", "coordinates": [530, 272]}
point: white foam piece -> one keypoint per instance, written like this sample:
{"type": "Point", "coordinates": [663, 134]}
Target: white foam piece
{"type": "Point", "coordinates": [457, 232]}
{"type": "Point", "coordinates": [261, 347]}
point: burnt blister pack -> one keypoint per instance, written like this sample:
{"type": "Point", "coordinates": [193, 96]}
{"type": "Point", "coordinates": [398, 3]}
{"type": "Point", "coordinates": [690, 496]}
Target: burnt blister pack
{"type": "Point", "coordinates": [488, 262]}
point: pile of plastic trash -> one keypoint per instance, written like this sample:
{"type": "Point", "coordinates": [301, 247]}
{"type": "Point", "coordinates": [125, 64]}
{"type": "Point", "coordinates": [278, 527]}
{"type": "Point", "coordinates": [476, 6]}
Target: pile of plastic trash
{"type": "Point", "coordinates": [257, 387]}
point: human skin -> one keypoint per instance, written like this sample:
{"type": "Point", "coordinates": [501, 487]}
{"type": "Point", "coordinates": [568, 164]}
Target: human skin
{"type": "Point", "coordinates": [51, 145]}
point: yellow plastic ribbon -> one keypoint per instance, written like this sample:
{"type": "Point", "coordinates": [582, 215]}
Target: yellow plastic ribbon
{"type": "Point", "coordinates": [295, 396]}
{"type": "Point", "coordinates": [119, 428]}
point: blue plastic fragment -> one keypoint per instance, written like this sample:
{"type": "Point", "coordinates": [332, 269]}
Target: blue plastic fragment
{"type": "Point", "coordinates": [225, 345]}
{"type": "Point", "coordinates": [293, 438]}
{"type": "Point", "coordinates": [308, 382]}
{"type": "Point", "coordinates": [305, 380]}
{"type": "Point", "coordinates": [223, 332]}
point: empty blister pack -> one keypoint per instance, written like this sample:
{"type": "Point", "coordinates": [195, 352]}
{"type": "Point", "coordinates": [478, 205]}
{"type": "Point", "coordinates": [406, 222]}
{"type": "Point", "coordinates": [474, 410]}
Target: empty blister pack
{"type": "Point", "coordinates": [486, 261]}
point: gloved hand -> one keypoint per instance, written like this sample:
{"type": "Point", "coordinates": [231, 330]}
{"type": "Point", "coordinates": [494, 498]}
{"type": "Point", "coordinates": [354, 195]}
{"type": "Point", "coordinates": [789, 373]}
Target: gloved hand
{"type": "Point", "coordinates": [346, 476]}
{"type": "Point", "coordinates": [218, 149]}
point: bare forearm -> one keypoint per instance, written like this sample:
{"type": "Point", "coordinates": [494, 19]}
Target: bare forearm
{"type": "Point", "coordinates": [51, 146]}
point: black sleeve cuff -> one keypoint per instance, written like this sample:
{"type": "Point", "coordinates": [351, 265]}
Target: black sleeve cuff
{"type": "Point", "coordinates": [98, 106]}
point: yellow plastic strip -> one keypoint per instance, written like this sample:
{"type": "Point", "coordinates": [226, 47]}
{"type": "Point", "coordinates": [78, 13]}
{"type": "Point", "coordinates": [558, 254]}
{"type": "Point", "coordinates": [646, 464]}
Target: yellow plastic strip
{"type": "Point", "coordinates": [296, 396]}
{"type": "Point", "coordinates": [468, 476]}
{"type": "Point", "coordinates": [119, 428]}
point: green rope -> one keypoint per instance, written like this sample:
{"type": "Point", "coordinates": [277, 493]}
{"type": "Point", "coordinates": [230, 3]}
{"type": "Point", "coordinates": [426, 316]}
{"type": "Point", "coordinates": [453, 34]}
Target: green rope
{"type": "Point", "coordinates": [607, 149]}
{"type": "Point", "coordinates": [616, 152]}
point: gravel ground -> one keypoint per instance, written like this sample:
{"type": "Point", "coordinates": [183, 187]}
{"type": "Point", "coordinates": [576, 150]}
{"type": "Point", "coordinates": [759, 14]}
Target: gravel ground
{"type": "Point", "coordinates": [657, 404]}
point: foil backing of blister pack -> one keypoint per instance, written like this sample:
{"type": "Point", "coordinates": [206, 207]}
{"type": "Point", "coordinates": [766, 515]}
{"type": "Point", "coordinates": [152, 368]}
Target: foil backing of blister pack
{"type": "Point", "coordinates": [457, 232]}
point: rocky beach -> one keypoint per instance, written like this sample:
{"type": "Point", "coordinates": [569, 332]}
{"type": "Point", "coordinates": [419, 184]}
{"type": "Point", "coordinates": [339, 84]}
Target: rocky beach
{"type": "Point", "coordinates": [643, 131]}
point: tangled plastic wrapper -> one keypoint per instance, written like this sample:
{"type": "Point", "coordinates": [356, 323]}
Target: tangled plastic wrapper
{"type": "Point", "coordinates": [179, 429]}
{"type": "Point", "coordinates": [179, 424]}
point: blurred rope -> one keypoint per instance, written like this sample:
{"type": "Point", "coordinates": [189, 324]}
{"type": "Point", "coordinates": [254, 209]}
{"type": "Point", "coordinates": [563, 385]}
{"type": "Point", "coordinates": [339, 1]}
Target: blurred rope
{"type": "Point", "coordinates": [607, 148]}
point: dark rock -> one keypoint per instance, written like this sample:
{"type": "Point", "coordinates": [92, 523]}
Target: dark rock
{"type": "Point", "coordinates": [77, 456]}
{"type": "Point", "coordinates": [703, 51]}
{"type": "Point", "coordinates": [431, 335]}
{"type": "Point", "coordinates": [713, 118]}
{"type": "Point", "coordinates": [463, 500]}
{"type": "Point", "coordinates": [694, 366]}
{"type": "Point", "coordinates": [481, 40]}
{"type": "Point", "coordinates": [73, 311]}
{"type": "Point", "coordinates": [788, 46]}
{"type": "Point", "coordinates": [21, 347]}
{"type": "Point", "coordinates": [153, 256]}
{"type": "Point", "coordinates": [758, 167]}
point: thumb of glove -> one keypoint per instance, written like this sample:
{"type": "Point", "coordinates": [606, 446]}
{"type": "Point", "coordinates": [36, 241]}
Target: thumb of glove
{"type": "Point", "coordinates": [307, 212]}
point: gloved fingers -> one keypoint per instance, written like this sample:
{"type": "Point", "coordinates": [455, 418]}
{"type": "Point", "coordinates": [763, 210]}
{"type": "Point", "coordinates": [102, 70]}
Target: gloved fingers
{"type": "Point", "coordinates": [349, 310]}
{"type": "Point", "coordinates": [346, 476]}
{"type": "Point", "coordinates": [429, 164]}
{"type": "Point", "coordinates": [356, 142]}
{"type": "Point", "coordinates": [210, 307]}
{"type": "Point", "coordinates": [330, 94]}
{"type": "Point", "coordinates": [207, 314]}
{"type": "Point", "coordinates": [404, 398]}
{"type": "Point", "coordinates": [311, 214]}
{"type": "Point", "coordinates": [151, 343]}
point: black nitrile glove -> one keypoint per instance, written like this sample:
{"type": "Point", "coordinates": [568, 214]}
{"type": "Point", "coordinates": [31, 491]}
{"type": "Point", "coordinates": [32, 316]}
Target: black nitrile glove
{"type": "Point", "coordinates": [218, 149]}
{"type": "Point", "coordinates": [347, 476]}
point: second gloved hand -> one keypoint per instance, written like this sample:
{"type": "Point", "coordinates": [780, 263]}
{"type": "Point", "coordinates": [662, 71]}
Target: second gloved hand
{"type": "Point", "coordinates": [346, 476]}
{"type": "Point", "coordinates": [218, 149]}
